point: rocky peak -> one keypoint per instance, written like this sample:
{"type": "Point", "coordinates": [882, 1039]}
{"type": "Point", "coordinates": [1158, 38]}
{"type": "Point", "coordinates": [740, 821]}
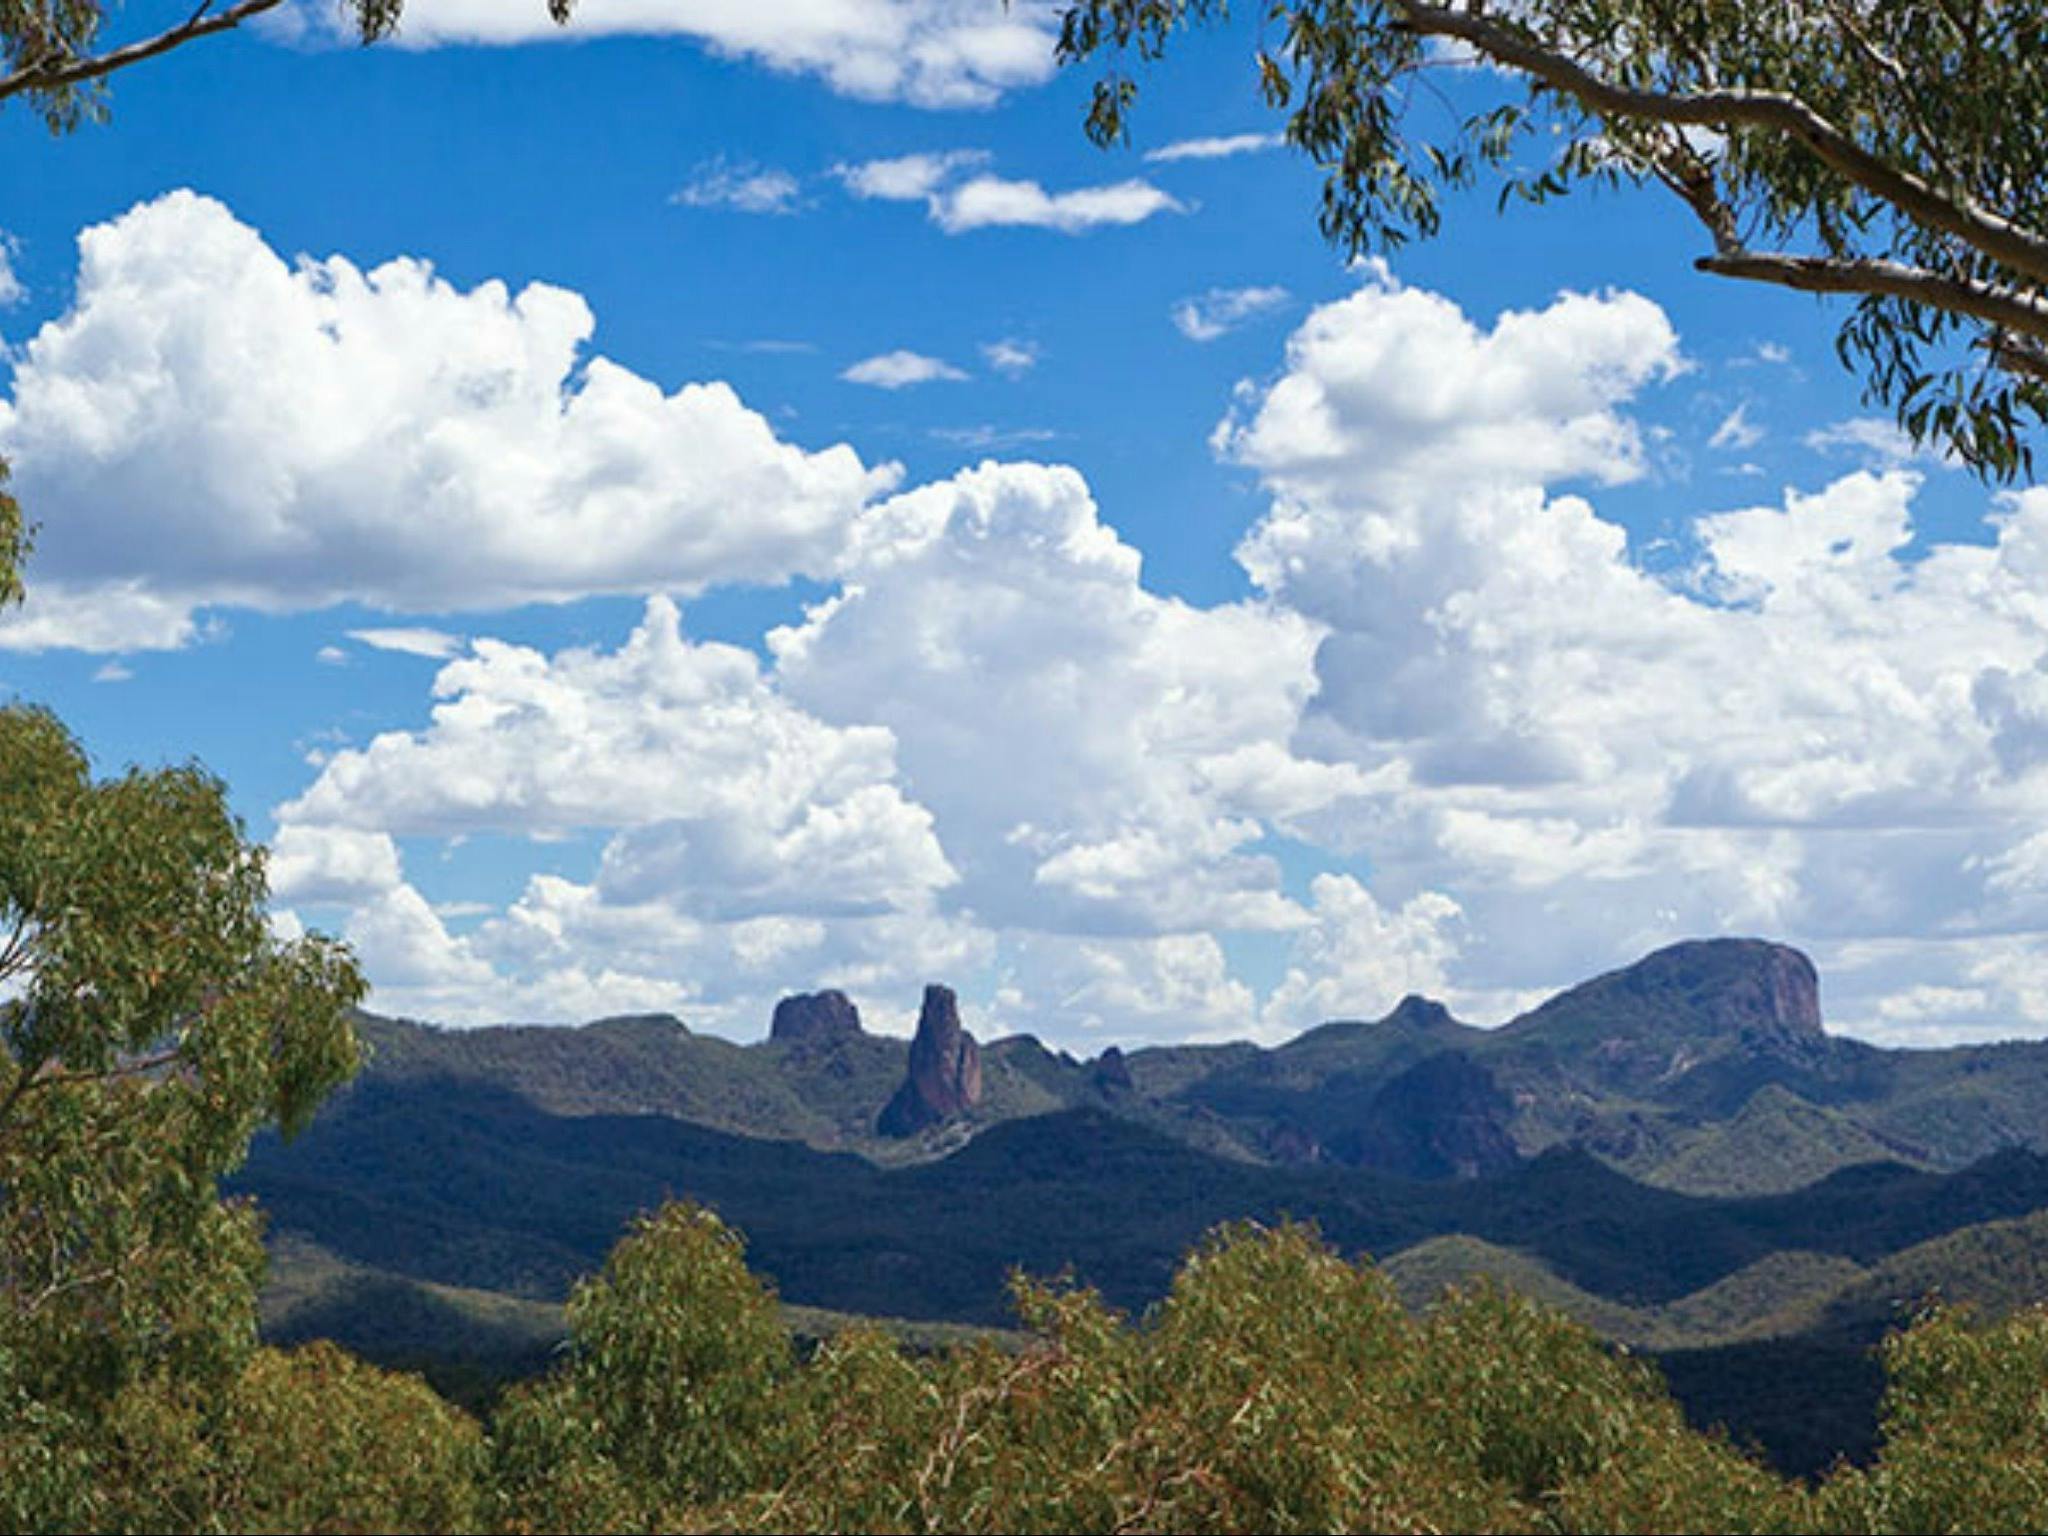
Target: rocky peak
{"type": "Point", "coordinates": [1692, 995]}
{"type": "Point", "coordinates": [1111, 1073]}
{"type": "Point", "coordinates": [1417, 1012]}
{"type": "Point", "coordinates": [1741, 985]}
{"type": "Point", "coordinates": [944, 1080]}
{"type": "Point", "coordinates": [814, 1016]}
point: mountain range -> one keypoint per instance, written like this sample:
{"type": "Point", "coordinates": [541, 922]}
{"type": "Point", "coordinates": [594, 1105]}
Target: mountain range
{"type": "Point", "coordinates": [1704, 1067]}
{"type": "Point", "coordinates": [1677, 1152]}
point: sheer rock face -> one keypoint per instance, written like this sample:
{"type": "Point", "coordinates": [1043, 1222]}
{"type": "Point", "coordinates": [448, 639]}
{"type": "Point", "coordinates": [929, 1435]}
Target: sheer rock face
{"type": "Point", "coordinates": [1783, 996]}
{"type": "Point", "coordinates": [1737, 984]}
{"type": "Point", "coordinates": [814, 1016]}
{"type": "Point", "coordinates": [944, 1080]}
{"type": "Point", "coordinates": [1112, 1074]}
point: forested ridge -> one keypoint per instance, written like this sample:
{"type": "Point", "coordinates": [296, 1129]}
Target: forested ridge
{"type": "Point", "coordinates": [1276, 1387]}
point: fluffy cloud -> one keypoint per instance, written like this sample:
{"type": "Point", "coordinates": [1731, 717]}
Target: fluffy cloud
{"type": "Point", "coordinates": [1218, 148]}
{"type": "Point", "coordinates": [930, 53]}
{"type": "Point", "coordinates": [1010, 357]}
{"type": "Point", "coordinates": [743, 188]}
{"type": "Point", "coordinates": [739, 832]}
{"type": "Point", "coordinates": [726, 789]}
{"type": "Point", "coordinates": [1222, 310]}
{"type": "Point", "coordinates": [1083, 743]}
{"type": "Point", "coordinates": [996, 202]}
{"type": "Point", "coordinates": [410, 640]}
{"type": "Point", "coordinates": [907, 178]}
{"type": "Point", "coordinates": [1392, 395]}
{"type": "Point", "coordinates": [1087, 993]}
{"type": "Point", "coordinates": [1824, 731]}
{"type": "Point", "coordinates": [900, 369]}
{"type": "Point", "coordinates": [991, 754]}
{"type": "Point", "coordinates": [210, 424]}
{"type": "Point", "coordinates": [1878, 442]}
{"type": "Point", "coordinates": [1358, 953]}
{"type": "Point", "coordinates": [958, 202]}
{"type": "Point", "coordinates": [331, 864]}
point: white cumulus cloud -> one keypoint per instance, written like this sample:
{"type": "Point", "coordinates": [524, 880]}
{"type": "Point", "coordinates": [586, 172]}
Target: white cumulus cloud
{"type": "Point", "coordinates": [929, 53]}
{"type": "Point", "coordinates": [1820, 733]}
{"type": "Point", "coordinates": [210, 424]}
{"type": "Point", "coordinates": [995, 202]}
{"type": "Point", "coordinates": [900, 369]}
{"type": "Point", "coordinates": [907, 178]}
{"type": "Point", "coordinates": [959, 203]}
{"type": "Point", "coordinates": [740, 836]}
{"type": "Point", "coordinates": [1080, 740]}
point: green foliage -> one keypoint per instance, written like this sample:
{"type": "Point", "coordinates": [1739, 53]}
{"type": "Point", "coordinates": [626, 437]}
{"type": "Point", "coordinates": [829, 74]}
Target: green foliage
{"type": "Point", "coordinates": [1893, 150]}
{"type": "Point", "coordinates": [307, 1440]}
{"type": "Point", "coordinates": [46, 1466]}
{"type": "Point", "coordinates": [677, 1358]}
{"type": "Point", "coordinates": [1965, 1431]}
{"type": "Point", "coordinates": [1592, 1437]}
{"type": "Point", "coordinates": [14, 544]}
{"type": "Point", "coordinates": [152, 1025]}
{"type": "Point", "coordinates": [1277, 1388]}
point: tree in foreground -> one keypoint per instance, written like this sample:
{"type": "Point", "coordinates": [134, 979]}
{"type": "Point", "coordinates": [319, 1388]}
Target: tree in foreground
{"type": "Point", "coordinates": [1965, 1425]}
{"type": "Point", "coordinates": [1276, 1388]}
{"type": "Point", "coordinates": [304, 1440]}
{"type": "Point", "coordinates": [1893, 151]}
{"type": "Point", "coordinates": [150, 1023]}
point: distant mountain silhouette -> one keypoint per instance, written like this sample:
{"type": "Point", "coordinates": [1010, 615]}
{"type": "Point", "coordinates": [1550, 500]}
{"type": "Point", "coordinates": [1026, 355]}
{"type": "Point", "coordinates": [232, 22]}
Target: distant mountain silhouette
{"type": "Point", "coordinates": [1702, 1067]}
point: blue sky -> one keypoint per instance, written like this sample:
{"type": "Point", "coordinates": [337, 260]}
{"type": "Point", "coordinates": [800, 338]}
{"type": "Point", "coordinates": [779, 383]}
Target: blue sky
{"type": "Point", "coordinates": [480, 454]}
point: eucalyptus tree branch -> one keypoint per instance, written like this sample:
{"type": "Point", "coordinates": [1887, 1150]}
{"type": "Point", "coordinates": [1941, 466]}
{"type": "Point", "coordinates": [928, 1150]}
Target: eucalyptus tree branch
{"type": "Point", "coordinates": [1852, 27]}
{"type": "Point", "coordinates": [2019, 354]}
{"type": "Point", "coordinates": [53, 1075]}
{"type": "Point", "coordinates": [1952, 213]}
{"type": "Point", "coordinates": [20, 942]}
{"type": "Point", "coordinates": [54, 71]}
{"type": "Point", "coordinates": [2005, 308]}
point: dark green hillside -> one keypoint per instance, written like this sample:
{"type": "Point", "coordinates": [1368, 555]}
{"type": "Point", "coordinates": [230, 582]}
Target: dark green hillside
{"type": "Point", "coordinates": [463, 1185]}
{"type": "Point", "coordinates": [646, 1065]}
{"type": "Point", "coordinates": [1995, 1268]}
{"type": "Point", "coordinates": [1325, 1096]}
{"type": "Point", "coordinates": [501, 1198]}
{"type": "Point", "coordinates": [1965, 1102]}
{"type": "Point", "coordinates": [1776, 1142]}
{"type": "Point", "coordinates": [1806, 1402]}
